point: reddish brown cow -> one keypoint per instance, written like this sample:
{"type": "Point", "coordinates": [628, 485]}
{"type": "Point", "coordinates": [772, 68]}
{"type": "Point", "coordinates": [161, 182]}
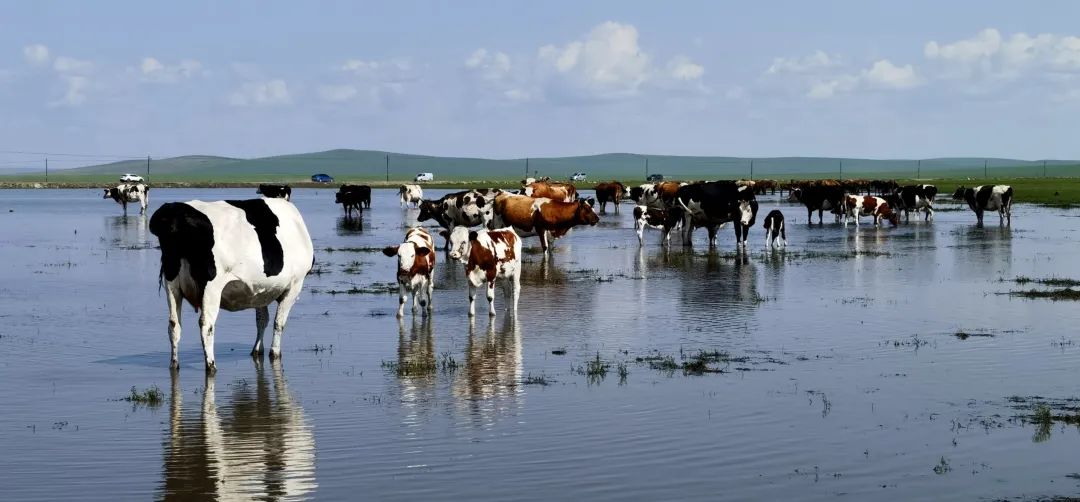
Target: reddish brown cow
{"type": "Point", "coordinates": [416, 265]}
{"type": "Point", "coordinates": [553, 190]}
{"type": "Point", "coordinates": [610, 192]}
{"type": "Point", "coordinates": [531, 216]}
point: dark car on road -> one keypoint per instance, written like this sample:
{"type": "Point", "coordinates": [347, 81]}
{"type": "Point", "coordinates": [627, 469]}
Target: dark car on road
{"type": "Point", "coordinates": [322, 178]}
{"type": "Point", "coordinates": [654, 177]}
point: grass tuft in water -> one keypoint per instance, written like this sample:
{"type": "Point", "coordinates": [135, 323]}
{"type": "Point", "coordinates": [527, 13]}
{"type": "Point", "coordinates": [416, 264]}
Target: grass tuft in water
{"type": "Point", "coordinates": [942, 467]}
{"type": "Point", "coordinates": [531, 379]}
{"type": "Point", "coordinates": [1048, 294]}
{"type": "Point", "coordinates": [152, 396]}
{"type": "Point", "coordinates": [1048, 281]}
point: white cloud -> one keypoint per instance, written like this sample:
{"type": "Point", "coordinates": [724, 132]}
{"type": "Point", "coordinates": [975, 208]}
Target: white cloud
{"type": "Point", "coordinates": [36, 54]}
{"type": "Point", "coordinates": [887, 75]}
{"type": "Point", "coordinates": [682, 68]}
{"type": "Point", "coordinates": [828, 88]}
{"type": "Point", "coordinates": [608, 63]}
{"type": "Point", "coordinates": [490, 66]}
{"type": "Point", "coordinates": [816, 61]}
{"type": "Point", "coordinates": [75, 93]}
{"type": "Point", "coordinates": [64, 64]}
{"type": "Point", "coordinates": [992, 55]}
{"type": "Point", "coordinates": [268, 93]}
{"type": "Point", "coordinates": [153, 70]}
{"type": "Point", "coordinates": [336, 93]}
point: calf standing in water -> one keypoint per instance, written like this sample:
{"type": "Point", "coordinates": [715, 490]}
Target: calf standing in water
{"type": "Point", "coordinates": [416, 264]}
{"type": "Point", "coordinates": [774, 229]}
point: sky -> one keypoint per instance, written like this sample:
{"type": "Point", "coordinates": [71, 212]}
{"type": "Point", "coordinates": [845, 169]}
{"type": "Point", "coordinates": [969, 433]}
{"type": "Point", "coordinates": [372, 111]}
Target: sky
{"type": "Point", "coordinates": [507, 79]}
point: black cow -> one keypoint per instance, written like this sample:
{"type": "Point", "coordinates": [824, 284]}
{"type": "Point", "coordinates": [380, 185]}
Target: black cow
{"type": "Point", "coordinates": [988, 198]}
{"type": "Point", "coordinates": [774, 229]}
{"type": "Point", "coordinates": [714, 203]}
{"type": "Point", "coordinates": [913, 198]}
{"type": "Point", "coordinates": [818, 198]}
{"type": "Point", "coordinates": [469, 208]}
{"type": "Point", "coordinates": [275, 191]}
{"type": "Point", "coordinates": [353, 197]}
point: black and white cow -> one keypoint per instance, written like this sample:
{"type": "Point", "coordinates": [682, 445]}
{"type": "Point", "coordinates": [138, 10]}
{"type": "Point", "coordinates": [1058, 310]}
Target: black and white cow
{"type": "Point", "coordinates": [660, 219]}
{"type": "Point", "coordinates": [774, 229]}
{"type": "Point", "coordinates": [988, 198]}
{"type": "Point", "coordinates": [275, 191]}
{"type": "Point", "coordinates": [469, 208]}
{"type": "Point", "coordinates": [820, 198]}
{"type": "Point", "coordinates": [410, 194]}
{"type": "Point", "coordinates": [235, 255]}
{"type": "Point", "coordinates": [714, 203]}
{"type": "Point", "coordinates": [913, 198]}
{"type": "Point", "coordinates": [124, 193]}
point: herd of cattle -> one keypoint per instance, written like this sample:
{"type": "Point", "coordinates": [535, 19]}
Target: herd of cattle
{"type": "Point", "coordinates": [247, 254]}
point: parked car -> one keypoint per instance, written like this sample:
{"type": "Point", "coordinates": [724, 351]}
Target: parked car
{"type": "Point", "coordinates": [653, 178]}
{"type": "Point", "coordinates": [578, 177]}
{"type": "Point", "coordinates": [424, 177]}
{"type": "Point", "coordinates": [131, 178]}
{"type": "Point", "coordinates": [322, 178]}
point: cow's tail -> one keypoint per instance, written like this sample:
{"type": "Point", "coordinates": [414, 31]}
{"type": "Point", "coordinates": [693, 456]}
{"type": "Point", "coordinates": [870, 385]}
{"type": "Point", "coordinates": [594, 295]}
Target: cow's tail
{"type": "Point", "coordinates": [1007, 199]}
{"type": "Point", "coordinates": [185, 234]}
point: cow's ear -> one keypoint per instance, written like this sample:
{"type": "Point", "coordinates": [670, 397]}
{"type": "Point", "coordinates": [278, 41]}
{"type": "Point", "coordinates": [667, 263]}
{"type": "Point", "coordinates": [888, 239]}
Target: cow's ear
{"type": "Point", "coordinates": [421, 251]}
{"type": "Point", "coordinates": [445, 233]}
{"type": "Point", "coordinates": [473, 235]}
{"type": "Point", "coordinates": [390, 250]}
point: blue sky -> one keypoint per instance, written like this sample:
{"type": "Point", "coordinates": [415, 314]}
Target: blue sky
{"type": "Point", "coordinates": [513, 79]}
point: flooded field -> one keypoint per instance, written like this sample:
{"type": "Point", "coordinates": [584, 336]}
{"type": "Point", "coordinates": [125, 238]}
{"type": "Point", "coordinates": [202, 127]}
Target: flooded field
{"type": "Point", "coordinates": [870, 362]}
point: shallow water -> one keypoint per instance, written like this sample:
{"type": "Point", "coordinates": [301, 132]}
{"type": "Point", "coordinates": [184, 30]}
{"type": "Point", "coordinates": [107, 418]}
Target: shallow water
{"type": "Point", "coordinates": [842, 374]}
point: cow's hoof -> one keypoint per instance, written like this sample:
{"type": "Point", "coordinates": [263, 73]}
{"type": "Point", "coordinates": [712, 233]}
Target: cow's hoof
{"type": "Point", "coordinates": [211, 368]}
{"type": "Point", "coordinates": [256, 353]}
{"type": "Point", "coordinates": [174, 365]}
{"type": "Point", "coordinates": [275, 355]}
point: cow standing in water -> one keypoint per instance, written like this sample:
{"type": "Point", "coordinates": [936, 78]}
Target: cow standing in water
{"type": "Point", "coordinates": [410, 194]}
{"type": "Point", "coordinates": [236, 255]}
{"type": "Point", "coordinates": [529, 216]}
{"type": "Point", "coordinates": [416, 266]}
{"type": "Point", "coordinates": [489, 255]}
{"type": "Point", "coordinates": [913, 198]}
{"type": "Point", "coordinates": [610, 192]}
{"type": "Point", "coordinates": [855, 206]}
{"type": "Point", "coordinates": [988, 198]}
{"type": "Point", "coordinates": [353, 198]}
{"type": "Point", "coordinates": [275, 191]}
{"type": "Point", "coordinates": [774, 230]}
{"type": "Point", "coordinates": [124, 193]}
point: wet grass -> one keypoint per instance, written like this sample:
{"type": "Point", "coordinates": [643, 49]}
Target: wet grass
{"type": "Point", "coordinates": [318, 269]}
{"type": "Point", "coordinates": [151, 396]}
{"type": "Point", "coordinates": [964, 335]}
{"type": "Point", "coordinates": [1048, 281]}
{"type": "Point", "coordinates": [378, 288]}
{"type": "Point", "coordinates": [540, 380]}
{"type": "Point", "coordinates": [1065, 294]}
{"type": "Point", "coordinates": [353, 267]}
{"type": "Point", "coordinates": [362, 249]}
{"type": "Point", "coordinates": [942, 467]}
{"type": "Point", "coordinates": [316, 348]}
{"type": "Point", "coordinates": [411, 368]}
{"type": "Point", "coordinates": [594, 369]}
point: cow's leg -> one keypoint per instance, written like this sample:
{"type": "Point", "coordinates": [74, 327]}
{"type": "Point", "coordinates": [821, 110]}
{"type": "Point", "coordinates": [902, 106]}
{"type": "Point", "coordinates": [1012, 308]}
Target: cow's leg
{"type": "Point", "coordinates": [769, 236]}
{"type": "Point", "coordinates": [262, 318]}
{"type": "Point", "coordinates": [211, 303]}
{"type": "Point", "coordinates": [472, 299]}
{"type": "Point", "coordinates": [144, 201]}
{"type": "Point", "coordinates": [979, 215]}
{"type": "Point", "coordinates": [516, 288]}
{"type": "Point", "coordinates": [616, 202]}
{"type": "Point", "coordinates": [783, 235]}
{"type": "Point", "coordinates": [543, 235]}
{"type": "Point", "coordinates": [285, 304]}
{"type": "Point", "coordinates": [639, 229]}
{"type": "Point", "coordinates": [124, 205]}
{"type": "Point", "coordinates": [491, 298]}
{"type": "Point", "coordinates": [417, 291]}
{"type": "Point", "coordinates": [929, 213]}
{"type": "Point", "coordinates": [712, 235]}
{"type": "Point", "coordinates": [820, 212]}
{"type": "Point", "coordinates": [176, 302]}
{"type": "Point", "coordinates": [403, 296]}
{"type": "Point", "coordinates": [429, 288]}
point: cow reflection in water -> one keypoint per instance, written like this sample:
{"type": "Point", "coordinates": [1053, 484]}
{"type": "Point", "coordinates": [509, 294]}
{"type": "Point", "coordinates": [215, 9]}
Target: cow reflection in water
{"type": "Point", "coordinates": [490, 383]}
{"type": "Point", "coordinates": [417, 368]}
{"type": "Point", "coordinates": [258, 446]}
{"type": "Point", "coordinates": [350, 226]}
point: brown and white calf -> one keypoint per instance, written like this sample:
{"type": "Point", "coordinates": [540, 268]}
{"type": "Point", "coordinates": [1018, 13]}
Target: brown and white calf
{"type": "Point", "coordinates": [489, 255]}
{"type": "Point", "coordinates": [774, 229]}
{"type": "Point", "coordinates": [855, 206]}
{"type": "Point", "coordinates": [416, 265]}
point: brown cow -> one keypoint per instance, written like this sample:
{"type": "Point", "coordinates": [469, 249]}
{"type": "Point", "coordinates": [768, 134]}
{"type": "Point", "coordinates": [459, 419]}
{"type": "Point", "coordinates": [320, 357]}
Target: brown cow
{"type": "Point", "coordinates": [610, 192]}
{"type": "Point", "coordinates": [553, 190]}
{"type": "Point", "coordinates": [865, 205]}
{"type": "Point", "coordinates": [531, 216]}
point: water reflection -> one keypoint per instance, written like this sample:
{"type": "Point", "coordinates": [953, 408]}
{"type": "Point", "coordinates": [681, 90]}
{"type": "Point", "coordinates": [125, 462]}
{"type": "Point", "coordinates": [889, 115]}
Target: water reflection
{"type": "Point", "coordinates": [350, 226]}
{"type": "Point", "coordinates": [489, 385]}
{"type": "Point", "coordinates": [982, 247]}
{"type": "Point", "coordinates": [416, 361]}
{"type": "Point", "coordinates": [259, 445]}
{"type": "Point", "coordinates": [128, 231]}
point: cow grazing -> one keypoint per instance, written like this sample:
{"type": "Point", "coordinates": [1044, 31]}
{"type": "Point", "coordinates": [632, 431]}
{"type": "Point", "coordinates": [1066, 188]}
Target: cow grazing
{"type": "Point", "coordinates": [610, 192]}
{"type": "Point", "coordinates": [353, 197]}
{"type": "Point", "coordinates": [817, 197]}
{"type": "Point", "coordinates": [913, 198]}
{"type": "Point", "coordinates": [553, 190]}
{"type": "Point", "coordinates": [774, 229]}
{"type": "Point", "coordinates": [714, 203]}
{"type": "Point", "coordinates": [416, 265]}
{"type": "Point", "coordinates": [988, 198]}
{"type": "Point", "coordinates": [530, 216]}
{"type": "Point", "coordinates": [660, 219]}
{"type": "Point", "coordinates": [865, 205]}
{"type": "Point", "coordinates": [235, 255]}
{"type": "Point", "coordinates": [469, 208]}
{"type": "Point", "coordinates": [275, 191]}
{"type": "Point", "coordinates": [489, 255]}
{"type": "Point", "coordinates": [410, 194]}
{"type": "Point", "coordinates": [124, 193]}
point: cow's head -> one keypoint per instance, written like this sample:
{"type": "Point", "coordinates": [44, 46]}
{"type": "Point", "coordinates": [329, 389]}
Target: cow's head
{"type": "Point", "coordinates": [636, 193]}
{"type": "Point", "coordinates": [889, 214]}
{"type": "Point", "coordinates": [795, 195]}
{"type": "Point", "coordinates": [406, 253]}
{"type": "Point", "coordinates": [528, 190]}
{"type": "Point", "coordinates": [746, 212]}
{"type": "Point", "coordinates": [959, 193]}
{"type": "Point", "coordinates": [460, 242]}
{"type": "Point", "coordinates": [427, 210]}
{"type": "Point", "coordinates": [338, 199]}
{"type": "Point", "coordinates": [585, 214]}
{"type": "Point", "coordinates": [590, 201]}
{"type": "Point", "coordinates": [108, 193]}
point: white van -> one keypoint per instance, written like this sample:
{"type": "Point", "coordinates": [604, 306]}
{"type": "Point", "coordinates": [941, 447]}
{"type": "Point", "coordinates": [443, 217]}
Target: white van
{"type": "Point", "coordinates": [424, 177]}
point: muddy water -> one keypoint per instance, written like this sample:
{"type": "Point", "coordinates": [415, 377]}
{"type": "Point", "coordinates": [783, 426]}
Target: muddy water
{"type": "Point", "coordinates": [841, 374]}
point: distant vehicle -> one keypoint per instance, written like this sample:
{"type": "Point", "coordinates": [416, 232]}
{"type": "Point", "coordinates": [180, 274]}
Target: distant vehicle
{"type": "Point", "coordinates": [578, 177]}
{"type": "Point", "coordinates": [655, 178]}
{"type": "Point", "coordinates": [424, 177]}
{"type": "Point", "coordinates": [322, 178]}
{"type": "Point", "coordinates": [131, 178]}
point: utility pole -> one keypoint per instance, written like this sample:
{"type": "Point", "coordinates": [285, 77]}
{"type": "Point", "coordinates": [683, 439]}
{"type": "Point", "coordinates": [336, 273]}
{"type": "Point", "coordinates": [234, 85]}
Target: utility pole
{"type": "Point", "coordinates": [841, 169]}
{"type": "Point", "coordinates": [387, 168]}
{"type": "Point", "coordinates": [751, 169]}
{"type": "Point", "coordinates": [646, 169]}
{"type": "Point", "coordinates": [526, 167]}
{"type": "Point", "coordinates": [985, 163]}
{"type": "Point", "coordinates": [148, 169]}
{"type": "Point", "coordinates": [1044, 170]}
{"type": "Point", "coordinates": [918, 170]}
{"type": "Point", "coordinates": [47, 169]}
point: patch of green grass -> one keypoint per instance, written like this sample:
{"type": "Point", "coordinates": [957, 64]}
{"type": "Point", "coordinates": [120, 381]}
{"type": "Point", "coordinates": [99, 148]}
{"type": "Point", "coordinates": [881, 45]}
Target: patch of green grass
{"type": "Point", "coordinates": [353, 267]}
{"type": "Point", "coordinates": [623, 370]}
{"type": "Point", "coordinates": [447, 363]}
{"type": "Point", "coordinates": [316, 348]}
{"type": "Point", "coordinates": [378, 288]}
{"type": "Point", "coordinates": [1048, 294]}
{"type": "Point", "coordinates": [964, 335]}
{"type": "Point", "coordinates": [361, 249]}
{"type": "Point", "coordinates": [152, 396]}
{"type": "Point", "coordinates": [411, 368]}
{"type": "Point", "coordinates": [942, 467]}
{"type": "Point", "coordinates": [1048, 281]}
{"type": "Point", "coordinates": [531, 379]}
